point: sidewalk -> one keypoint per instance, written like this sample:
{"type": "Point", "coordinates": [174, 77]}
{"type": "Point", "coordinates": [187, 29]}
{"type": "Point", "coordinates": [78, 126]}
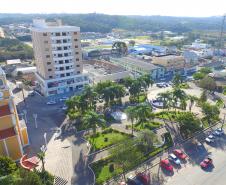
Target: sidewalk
{"type": "Point", "coordinates": [59, 159]}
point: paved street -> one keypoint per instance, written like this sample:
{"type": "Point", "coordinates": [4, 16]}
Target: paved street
{"type": "Point", "coordinates": [64, 156]}
{"type": "Point", "coordinates": [192, 174]}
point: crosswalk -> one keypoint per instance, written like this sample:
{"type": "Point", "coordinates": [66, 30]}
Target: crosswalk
{"type": "Point", "coordinates": [60, 181]}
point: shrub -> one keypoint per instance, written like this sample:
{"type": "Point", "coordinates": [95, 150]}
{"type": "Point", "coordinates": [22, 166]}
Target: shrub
{"type": "Point", "coordinates": [111, 167]}
{"type": "Point", "coordinates": [7, 166]}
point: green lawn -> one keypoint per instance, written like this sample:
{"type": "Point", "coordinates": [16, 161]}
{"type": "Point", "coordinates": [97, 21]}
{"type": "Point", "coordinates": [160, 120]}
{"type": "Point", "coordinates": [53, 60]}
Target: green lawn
{"type": "Point", "coordinates": [106, 138]}
{"type": "Point", "coordinates": [102, 168]}
{"type": "Point", "coordinates": [148, 125]}
{"type": "Point", "coordinates": [168, 115]}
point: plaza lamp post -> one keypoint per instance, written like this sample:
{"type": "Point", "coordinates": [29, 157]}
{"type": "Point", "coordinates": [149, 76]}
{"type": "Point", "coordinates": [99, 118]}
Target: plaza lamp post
{"type": "Point", "coordinates": [45, 134]}
{"type": "Point", "coordinates": [35, 117]}
{"type": "Point", "coordinates": [25, 115]}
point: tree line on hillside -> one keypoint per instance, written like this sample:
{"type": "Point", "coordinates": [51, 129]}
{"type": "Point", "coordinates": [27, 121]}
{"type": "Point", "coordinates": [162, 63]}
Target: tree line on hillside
{"type": "Point", "coordinates": [13, 48]}
{"type": "Point", "coordinates": [105, 23]}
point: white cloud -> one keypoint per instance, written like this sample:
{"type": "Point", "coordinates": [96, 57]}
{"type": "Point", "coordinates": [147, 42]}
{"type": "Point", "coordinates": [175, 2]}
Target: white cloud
{"type": "Point", "coordinates": [190, 8]}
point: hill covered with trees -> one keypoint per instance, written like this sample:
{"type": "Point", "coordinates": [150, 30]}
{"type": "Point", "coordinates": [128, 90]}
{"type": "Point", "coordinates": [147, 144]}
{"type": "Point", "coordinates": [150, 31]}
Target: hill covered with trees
{"type": "Point", "coordinates": [13, 48]}
{"type": "Point", "coordinates": [105, 23]}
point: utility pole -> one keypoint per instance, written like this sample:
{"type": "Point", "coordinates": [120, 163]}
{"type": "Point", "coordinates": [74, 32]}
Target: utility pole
{"type": "Point", "coordinates": [221, 38]}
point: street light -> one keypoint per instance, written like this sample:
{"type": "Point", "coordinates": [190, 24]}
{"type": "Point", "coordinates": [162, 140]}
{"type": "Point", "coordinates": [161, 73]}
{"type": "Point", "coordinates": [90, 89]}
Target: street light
{"type": "Point", "coordinates": [45, 139]}
{"type": "Point", "coordinates": [25, 115]}
{"type": "Point", "coordinates": [35, 117]}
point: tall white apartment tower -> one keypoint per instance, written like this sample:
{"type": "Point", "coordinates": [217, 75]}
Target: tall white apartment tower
{"type": "Point", "coordinates": [58, 57]}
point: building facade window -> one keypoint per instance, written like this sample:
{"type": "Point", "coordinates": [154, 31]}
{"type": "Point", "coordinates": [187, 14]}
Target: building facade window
{"type": "Point", "coordinates": [76, 46]}
{"type": "Point", "coordinates": [47, 56]}
{"type": "Point", "coordinates": [49, 69]}
{"type": "Point", "coordinates": [50, 76]}
{"type": "Point", "coordinates": [75, 40]}
{"type": "Point", "coordinates": [48, 63]}
{"type": "Point", "coordinates": [78, 72]}
{"type": "Point", "coordinates": [77, 59]}
{"type": "Point", "coordinates": [44, 34]}
{"type": "Point", "coordinates": [77, 65]}
{"type": "Point", "coordinates": [75, 33]}
{"type": "Point", "coordinates": [46, 41]}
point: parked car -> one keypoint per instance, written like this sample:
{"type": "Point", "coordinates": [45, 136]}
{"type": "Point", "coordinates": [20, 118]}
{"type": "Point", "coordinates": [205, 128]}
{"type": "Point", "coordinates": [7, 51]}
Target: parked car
{"type": "Point", "coordinates": [31, 93]}
{"type": "Point", "coordinates": [179, 154]}
{"type": "Point", "coordinates": [166, 165]}
{"type": "Point", "coordinates": [64, 107]}
{"type": "Point", "coordinates": [144, 178]}
{"type": "Point", "coordinates": [218, 132]}
{"type": "Point", "coordinates": [208, 140]}
{"type": "Point", "coordinates": [211, 136]}
{"type": "Point", "coordinates": [134, 181]}
{"type": "Point", "coordinates": [64, 98]}
{"type": "Point", "coordinates": [173, 158]}
{"type": "Point", "coordinates": [206, 162]}
{"type": "Point", "coordinates": [51, 102]}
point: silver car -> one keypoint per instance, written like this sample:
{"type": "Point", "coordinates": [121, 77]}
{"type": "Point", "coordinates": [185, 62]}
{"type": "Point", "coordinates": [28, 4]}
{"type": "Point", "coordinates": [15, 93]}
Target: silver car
{"type": "Point", "coordinates": [174, 159]}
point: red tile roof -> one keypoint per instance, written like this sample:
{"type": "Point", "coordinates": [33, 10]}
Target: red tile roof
{"type": "Point", "coordinates": [4, 110]}
{"type": "Point", "coordinates": [7, 133]}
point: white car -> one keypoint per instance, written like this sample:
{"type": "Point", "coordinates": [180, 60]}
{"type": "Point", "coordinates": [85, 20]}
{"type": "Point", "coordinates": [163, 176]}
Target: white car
{"type": "Point", "coordinates": [64, 98]}
{"type": "Point", "coordinates": [211, 136]}
{"type": "Point", "coordinates": [174, 159]}
{"type": "Point", "coordinates": [208, 140]}
{"type": "Point", "coordinates": [51, 102]}
{"type": "Point", "coordinates": [218, 132]}
{"type": "Point", "coordinates": [64, 107]}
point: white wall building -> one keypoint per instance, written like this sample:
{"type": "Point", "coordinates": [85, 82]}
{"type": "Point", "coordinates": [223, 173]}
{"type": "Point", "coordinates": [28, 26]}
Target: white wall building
{"type": "Point", "coordinates": [58, 57]}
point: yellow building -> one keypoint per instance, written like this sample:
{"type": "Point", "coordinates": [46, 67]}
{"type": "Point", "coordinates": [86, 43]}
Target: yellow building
{"type": "Point", "coordinates": [13, 133]}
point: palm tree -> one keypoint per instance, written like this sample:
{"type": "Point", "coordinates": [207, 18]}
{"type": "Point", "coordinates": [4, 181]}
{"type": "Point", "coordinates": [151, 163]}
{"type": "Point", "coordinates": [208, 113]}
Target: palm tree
{"type": "Point", "coordinates": [143, 112]}
{"type": "Point", "coordinates": [108, 95]}
{"type": "Point", "coordinates": [93, 120]}
{"type": "Point", "coordinates": [119, 92]}
{"type": "Point", "coordinates": [192, 100]}
{"type": "Point", "coordinates": [178, 95]}
{"type": "Point", "coordinates": [90, 96]}
{"type": "Point", "coordinates": [135, 89]}
{"type": "Point", "coordinates": [145, 81]}
{"type": "Point", "coordinates": [131, 113]}
{"type": "Point", "coordinates": [41, 156]}
{"type": "Point", "coordinates": [165, 97]}
{"type": "Point", "coordinates": [177, 80]}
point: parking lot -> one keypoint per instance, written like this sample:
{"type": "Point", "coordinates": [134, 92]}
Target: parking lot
{"type": "Point", "coordinates": [190, 172]}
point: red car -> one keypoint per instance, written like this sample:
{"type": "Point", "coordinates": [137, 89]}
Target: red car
{"type": "Point", "coordinates": [179, 154]}
{"type": "Point", "coordinates": [206, 162]}
{"type": "Point", "coordinates": [144, 178]}
{"type": "Point", "coordinates": [166, 165]}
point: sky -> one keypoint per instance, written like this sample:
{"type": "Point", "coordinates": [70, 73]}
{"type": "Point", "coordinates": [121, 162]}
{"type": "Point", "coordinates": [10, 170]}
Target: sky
{"type": "Point", "coordinates": [188, 8]}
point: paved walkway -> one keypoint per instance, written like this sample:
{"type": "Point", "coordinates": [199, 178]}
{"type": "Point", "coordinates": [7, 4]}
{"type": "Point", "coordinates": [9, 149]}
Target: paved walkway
{"type": "Point", "coordinates": [59, 159]}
